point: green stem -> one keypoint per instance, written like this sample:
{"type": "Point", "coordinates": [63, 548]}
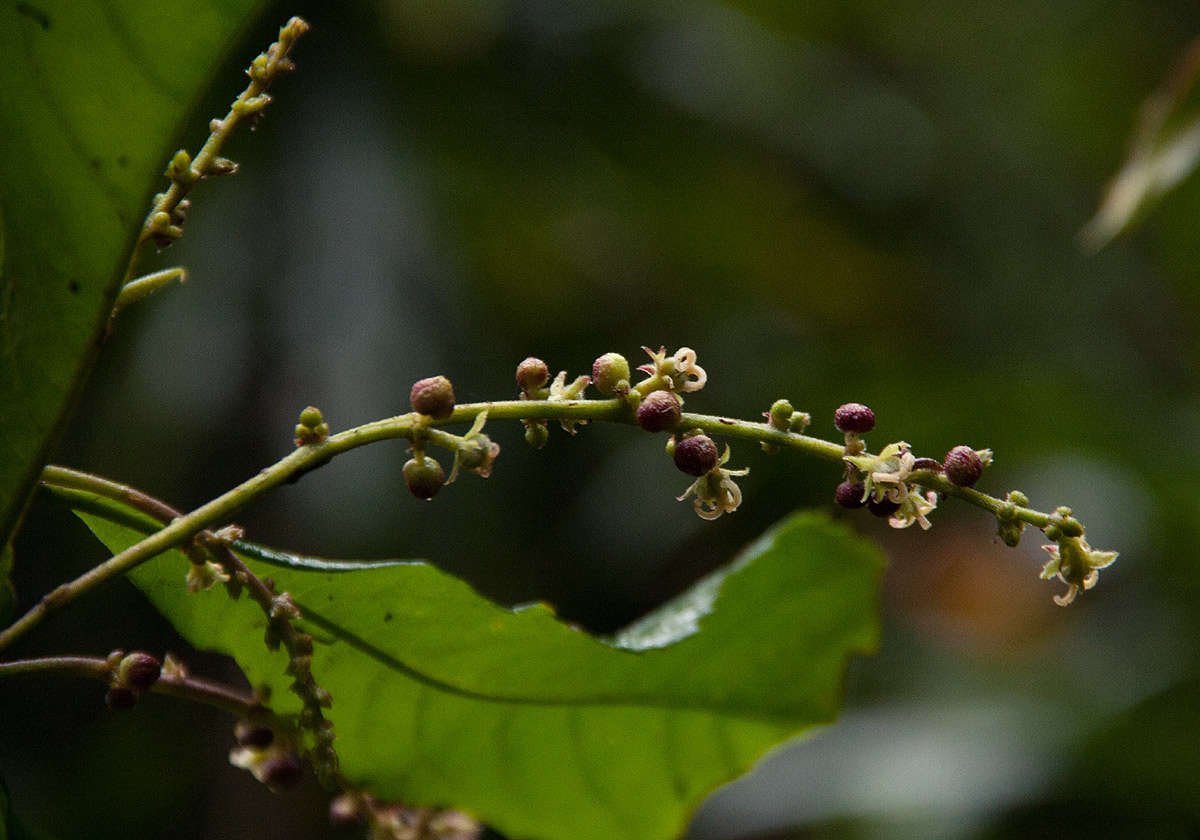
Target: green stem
{"type": "Point", "coordinates": [183, 528]}
{"type": "Point", "coordinates": [190, 688]}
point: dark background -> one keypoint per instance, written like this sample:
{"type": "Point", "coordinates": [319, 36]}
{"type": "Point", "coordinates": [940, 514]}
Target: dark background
{"type": "Point", "coordinates": [830, 202]}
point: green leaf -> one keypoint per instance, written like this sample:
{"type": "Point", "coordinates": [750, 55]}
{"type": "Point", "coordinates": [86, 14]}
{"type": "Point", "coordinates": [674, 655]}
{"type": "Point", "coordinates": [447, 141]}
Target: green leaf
{"type": "Point", "coordinates": [91, 94]}
{"type": "Point", "coordinates": [444, 698]}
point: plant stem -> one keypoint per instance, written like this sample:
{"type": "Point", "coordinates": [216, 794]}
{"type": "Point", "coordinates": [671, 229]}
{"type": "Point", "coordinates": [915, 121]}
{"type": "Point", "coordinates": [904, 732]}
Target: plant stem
{"type": "Point", "coordinates": [181, 529]}
{"type": "Point", "coordinates": [239, 704]}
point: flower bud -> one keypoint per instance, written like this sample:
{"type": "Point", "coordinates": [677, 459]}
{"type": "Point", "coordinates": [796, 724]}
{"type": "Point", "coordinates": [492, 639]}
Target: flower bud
{"type": "Point", "coordinates": [532, 374]}
{"type": "Point", "coordinates": [424, 477]}
{"type": "Point", "coordinates": [849, 494]}
{"type": "Point", "coordinates": [780, 415]}
{"type": "Point", "coordinates": [696, 455]}
{"type": "Point", "coordinates": [433, 397]}
{"type": "Point", "coordinates": [537, 435]}
{"type": "Point", "coordinates": [882, 507]}
{"type": "Point", "coordinates": [281, 771]}
{"type": "Point", "coordinates": [609, 371]}
{"type": "Point", "coordinates": [963, 466]}
{"type": "Point", "coordinates": [854, 417]}
{"type": "Point", "coordinates": [659, 411]}
{"type": "Point", "coordinates": [138, 671]}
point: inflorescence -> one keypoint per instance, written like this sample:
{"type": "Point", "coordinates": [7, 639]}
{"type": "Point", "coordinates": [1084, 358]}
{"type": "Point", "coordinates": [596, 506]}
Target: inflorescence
{"type": "Point", "coordinates": [894, 484]}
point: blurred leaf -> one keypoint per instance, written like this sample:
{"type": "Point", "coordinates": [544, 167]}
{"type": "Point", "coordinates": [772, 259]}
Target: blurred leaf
{"type": "Point", "coordinates": [91, 95]}
{"type": "Point", "coordinates": [1165, 150]}
{"type": "Point", "coordinates": [442, 697]}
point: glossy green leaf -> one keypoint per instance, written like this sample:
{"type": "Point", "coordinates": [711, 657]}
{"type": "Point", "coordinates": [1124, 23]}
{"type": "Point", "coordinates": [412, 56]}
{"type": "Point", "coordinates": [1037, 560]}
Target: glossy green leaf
{"type": "Point", "coordinates": [444, 698]}
{"type": "Point", "coordinates": [91, 95]}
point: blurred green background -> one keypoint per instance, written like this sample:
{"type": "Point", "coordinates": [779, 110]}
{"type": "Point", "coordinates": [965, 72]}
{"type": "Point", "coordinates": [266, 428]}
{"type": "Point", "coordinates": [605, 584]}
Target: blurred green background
{"type": "Point", "coordinates": [830, 201]}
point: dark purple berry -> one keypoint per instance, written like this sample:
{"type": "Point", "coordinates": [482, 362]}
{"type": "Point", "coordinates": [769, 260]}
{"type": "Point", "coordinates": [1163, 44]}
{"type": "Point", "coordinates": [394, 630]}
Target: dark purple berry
{"type": "Point", "coordinates": [963, 466]}
{"type": "Point", "coordinates": [854, 417]}
{"type": "Point", "coordinates": [659, 411]}
{"type": "Point", "coordinates": [424, 477]}
{"type": "Point", "coordinates": [433, 396]}
{"type": "Point", "coordinates": [696, 455]}
{"type": "Point", "coordinates": [532, 374]}
{"type": "Point", "coordinates": [849, 494]}
{"type": "Point", "coordinates": [881, 508]}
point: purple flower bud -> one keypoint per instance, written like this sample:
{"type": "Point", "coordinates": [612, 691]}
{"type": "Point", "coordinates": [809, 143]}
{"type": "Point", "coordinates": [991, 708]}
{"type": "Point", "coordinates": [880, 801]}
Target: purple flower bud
{"type": "Point", "coordinates": [138, 671]}
{"type": "Point", "coordinates": [433, 396]}
{"type": "Point", "coordinates": [696, 455]}
{"type": "Point", "coordinates": [963, 466]}
{"type": "Point", "coordinates": [854, 417]}
{"type": "Point", "coordinates": [282, 771]}
{"type": "Point", "coordinates": [849, 494]}
{"type": "Point", "coordinates": [659, 411]}
{"type": "Point", "coordinates": [532, 374]}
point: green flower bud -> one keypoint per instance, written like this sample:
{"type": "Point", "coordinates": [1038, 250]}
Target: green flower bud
{"type": "Point", "coordinates": [537, 435]}
{"type": "Point", "coordinates": [609, 371]}
{"type": "Point", "coordinates": [433, 397]}
{"type": "Point", "coordinates": [424, 477]}
{"type": "Point", "coordinates": [780, 415]}
{"type": "Point", "coordinates": [659, 411]}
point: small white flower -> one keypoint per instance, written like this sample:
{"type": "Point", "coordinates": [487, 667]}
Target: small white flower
{"type": "Point", "coordinates": [1076, 564]}
{"type": "Point", "coordinates": [716, 492]}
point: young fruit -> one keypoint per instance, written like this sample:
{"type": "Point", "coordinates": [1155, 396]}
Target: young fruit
{"type": "Point", "coordinates": [424, 477]}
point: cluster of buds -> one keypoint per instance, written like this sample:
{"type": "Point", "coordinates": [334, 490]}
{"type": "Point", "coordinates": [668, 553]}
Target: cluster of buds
{"type": "Point", "coordinates": [433, 399]}
{"type": "Point", "coordinates": [394, 821]}
{"type": "Point", "coordinates": [130, 676]}
{"type": "Point", "coordinates": [312, 427]}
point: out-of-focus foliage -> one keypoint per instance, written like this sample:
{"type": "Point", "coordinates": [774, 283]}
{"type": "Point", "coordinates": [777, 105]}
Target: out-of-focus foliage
{"type": "Point", "coordinates": [830, 201]}
{"type": "Point", "coordinates": [1164, 150]}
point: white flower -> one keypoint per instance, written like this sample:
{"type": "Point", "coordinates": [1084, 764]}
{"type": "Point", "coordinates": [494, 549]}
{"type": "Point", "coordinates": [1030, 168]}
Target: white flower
{"type": "Point", "coordinates": [678, 372]}
{"type": "Point", "coordinates": [716, 492]}
{"type": "Point", "coordinates": [1076, 564]}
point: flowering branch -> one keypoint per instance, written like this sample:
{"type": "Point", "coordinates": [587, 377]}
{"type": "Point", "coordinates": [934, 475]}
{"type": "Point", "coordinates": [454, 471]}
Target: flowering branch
{"type": "Point", "coordinates": [657, 410]}
{"type": "Point", "coordinates": [164, 223]}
